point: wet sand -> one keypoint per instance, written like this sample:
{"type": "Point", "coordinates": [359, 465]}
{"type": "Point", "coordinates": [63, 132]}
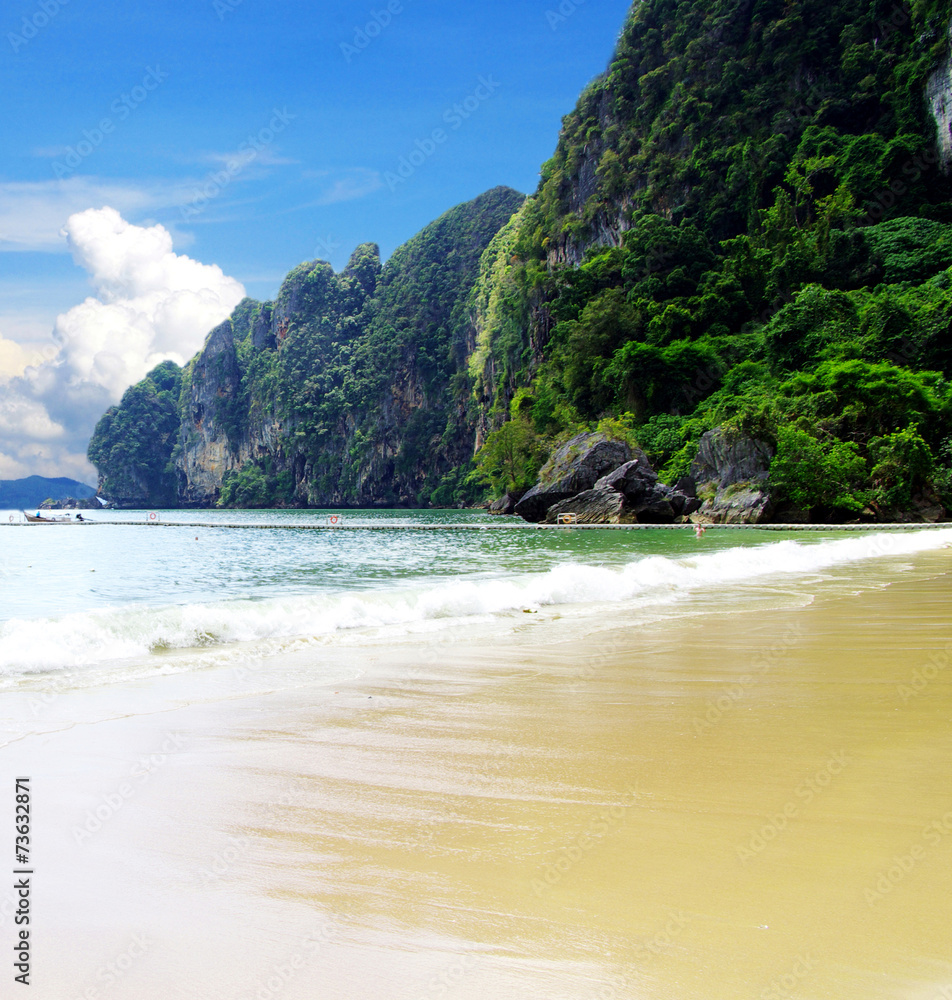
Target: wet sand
{"type": "Point", "coordinates": [749, 798]}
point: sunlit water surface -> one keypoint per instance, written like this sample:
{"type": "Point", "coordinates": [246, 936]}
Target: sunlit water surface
{"type": "Point", "coordinates": [513, 763]}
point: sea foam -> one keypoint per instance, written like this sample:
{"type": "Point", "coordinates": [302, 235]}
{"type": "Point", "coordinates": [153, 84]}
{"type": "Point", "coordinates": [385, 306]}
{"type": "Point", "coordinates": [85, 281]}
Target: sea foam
{"type": "Point", "coordinates": [88, 638]}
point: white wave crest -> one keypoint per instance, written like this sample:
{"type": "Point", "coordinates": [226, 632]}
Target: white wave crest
{"type": "Point", "coordinates": [88, 638]}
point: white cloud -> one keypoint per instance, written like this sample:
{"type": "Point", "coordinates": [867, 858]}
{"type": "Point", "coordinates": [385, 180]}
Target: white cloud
{"type": "Point", "coordinates": [263, 156]}
{"type": "Point", "coordinates": [358, 183]}
{"type": "Point", "coordinates": [150, 305]}
{"type": "Point", "coordinates": [15, 359]}
{"type": "Point", "coordinates": [32, 214]}
{"type": "Point", "coordinates": [19, 415]}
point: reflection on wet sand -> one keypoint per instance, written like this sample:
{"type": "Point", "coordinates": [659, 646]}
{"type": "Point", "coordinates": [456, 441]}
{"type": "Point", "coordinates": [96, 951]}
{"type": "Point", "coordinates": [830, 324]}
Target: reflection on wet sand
{"type": "Point", "coordinates": [740, 794]}
{"type": "Point", "coordinates": [746, 804]}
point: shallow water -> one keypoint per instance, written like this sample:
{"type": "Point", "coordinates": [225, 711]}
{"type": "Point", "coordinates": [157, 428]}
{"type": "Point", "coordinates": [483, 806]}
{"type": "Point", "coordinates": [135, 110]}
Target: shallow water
{"type": "Point", "coordinates": [120, 598]}
{"type": "Point", "coordinates": [741, 787]}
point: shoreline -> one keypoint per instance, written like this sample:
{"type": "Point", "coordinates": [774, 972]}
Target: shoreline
{"type": "Point", "coordinates": [526, 526]}
{"type": "Point", "coordinates": [536, 809]}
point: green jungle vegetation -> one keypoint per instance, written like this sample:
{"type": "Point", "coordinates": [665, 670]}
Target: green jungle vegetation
{"type": "Point", "coordinates": [784, 268]}
{"type": "Point", "coordinates": [134, 442]}
{"type": "Point", "coordinates": [745, 224]}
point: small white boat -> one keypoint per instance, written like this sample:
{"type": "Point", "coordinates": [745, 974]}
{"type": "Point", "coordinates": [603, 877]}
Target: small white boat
{"type": "Point", "coordinates": [56, 519]}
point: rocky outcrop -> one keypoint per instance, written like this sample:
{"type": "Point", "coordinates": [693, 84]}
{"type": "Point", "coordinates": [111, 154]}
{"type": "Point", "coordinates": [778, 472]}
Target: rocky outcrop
{"type": "Point", "coordinates": [939, 99]}
{"type": "Point", "coordinates": [647, 500]}
{"type": "Point", "coordinates": [738, 504]}
{"type": "Point", "coordinates": [71, 503]}
{"type": "Point", "coordinates": [629, 494]}
{"type": "Point", "coordinates": [598, 506]}
{"type": "Point", "coordinates": [624, 493]}
{"type": "Point", "coordinates": [350, 389]}
{"type": "Point", "coordinates": [507, 505]}
{"type": "Point", "coordinates": [731, 471]}
{"type": "Point", "coordinates": [206, 452]}
{"type": "Point", "coordinates": [572, 469]}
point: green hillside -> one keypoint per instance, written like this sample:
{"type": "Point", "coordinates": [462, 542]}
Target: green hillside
{"type": "Point", "coordinates": [746, 224]}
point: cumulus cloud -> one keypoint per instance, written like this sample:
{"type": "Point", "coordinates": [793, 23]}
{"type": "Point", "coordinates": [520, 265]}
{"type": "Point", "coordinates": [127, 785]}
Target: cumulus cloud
{"type": "Point", "coordinates": [149, 305]}
{"type": "Point", "coordinates": [15, 359]}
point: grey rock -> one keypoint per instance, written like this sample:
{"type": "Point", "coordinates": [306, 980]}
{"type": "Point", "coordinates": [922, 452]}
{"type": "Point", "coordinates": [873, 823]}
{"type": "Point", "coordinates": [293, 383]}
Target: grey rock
{"type": "Point", "coordinates": [631, 476]}
{"type": "Point", "coordinates": [939, 99]}
{"type": "Point", "coordinates": [602, 505]}
{"type": "Point", "coordinates": [687, 485]}
{"type": "Point", "coordinates": [506, 504]}
{"type": "Point", "coordinates": [727, 458]}
{"type": "Point", "coordinates": [738, 504]}
{"type": "Point", "coordinates": [262, 335]}
{"type": "Point", "coordinates": [647, 499]}
{"type": "Point", "coordinates": [733, 470]}
{"type": "Point", "coordinates": [573, 469]}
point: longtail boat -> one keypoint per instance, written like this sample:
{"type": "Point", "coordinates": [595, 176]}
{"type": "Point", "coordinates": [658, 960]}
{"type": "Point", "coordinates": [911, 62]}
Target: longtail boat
{"type": "Point", "coordinates": [58, 519]}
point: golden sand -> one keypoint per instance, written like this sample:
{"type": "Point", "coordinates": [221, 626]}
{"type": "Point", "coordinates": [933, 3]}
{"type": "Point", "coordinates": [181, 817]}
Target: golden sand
{"type": "Point", "coordinates": [753, 801]}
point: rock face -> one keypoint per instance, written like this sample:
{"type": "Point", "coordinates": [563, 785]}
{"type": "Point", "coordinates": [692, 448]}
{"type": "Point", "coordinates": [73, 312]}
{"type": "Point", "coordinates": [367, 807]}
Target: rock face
{"type": "Point", "coordinates": [598, 506]}
{"type": "Point", "coordinates": [939, 98]}
{"type": "Point", "coordinates": [507, 504]}
{"type": "Point", "coordinates": [734, 468]}
{"type": "Point", "coordinates": [350, 389]}
{"type": "Point", "coordinates": [573, 469]}
{"type": "Point", "coordinates": [647, 500]}
{"type": "Point", "coordinates": [628, 494]}
{"type": "Point", "coordinates": [738, 504]}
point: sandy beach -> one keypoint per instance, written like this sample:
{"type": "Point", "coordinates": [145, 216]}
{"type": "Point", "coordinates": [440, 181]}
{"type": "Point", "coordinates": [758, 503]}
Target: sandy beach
{"type": "Point", "coordinates": [751, 798]}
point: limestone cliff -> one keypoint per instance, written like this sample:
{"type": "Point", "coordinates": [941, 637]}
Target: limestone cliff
{"type": "Point", "coordinates": [742, 226]}
{"type": "Point", "coordinates": [350, 389]}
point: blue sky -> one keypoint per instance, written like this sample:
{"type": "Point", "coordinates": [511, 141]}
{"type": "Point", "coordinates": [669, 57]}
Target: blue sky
{"type": "Point", "coordinates": [151, 109]}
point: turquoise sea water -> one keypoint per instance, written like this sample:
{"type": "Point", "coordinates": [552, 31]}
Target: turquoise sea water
{"type": "Point", "coordinates": [79, 597]}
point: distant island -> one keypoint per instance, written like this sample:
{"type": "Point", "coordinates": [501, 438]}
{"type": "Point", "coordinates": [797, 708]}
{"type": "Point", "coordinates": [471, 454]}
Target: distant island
{"type": "Point", "coordinates": [35, 490]}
